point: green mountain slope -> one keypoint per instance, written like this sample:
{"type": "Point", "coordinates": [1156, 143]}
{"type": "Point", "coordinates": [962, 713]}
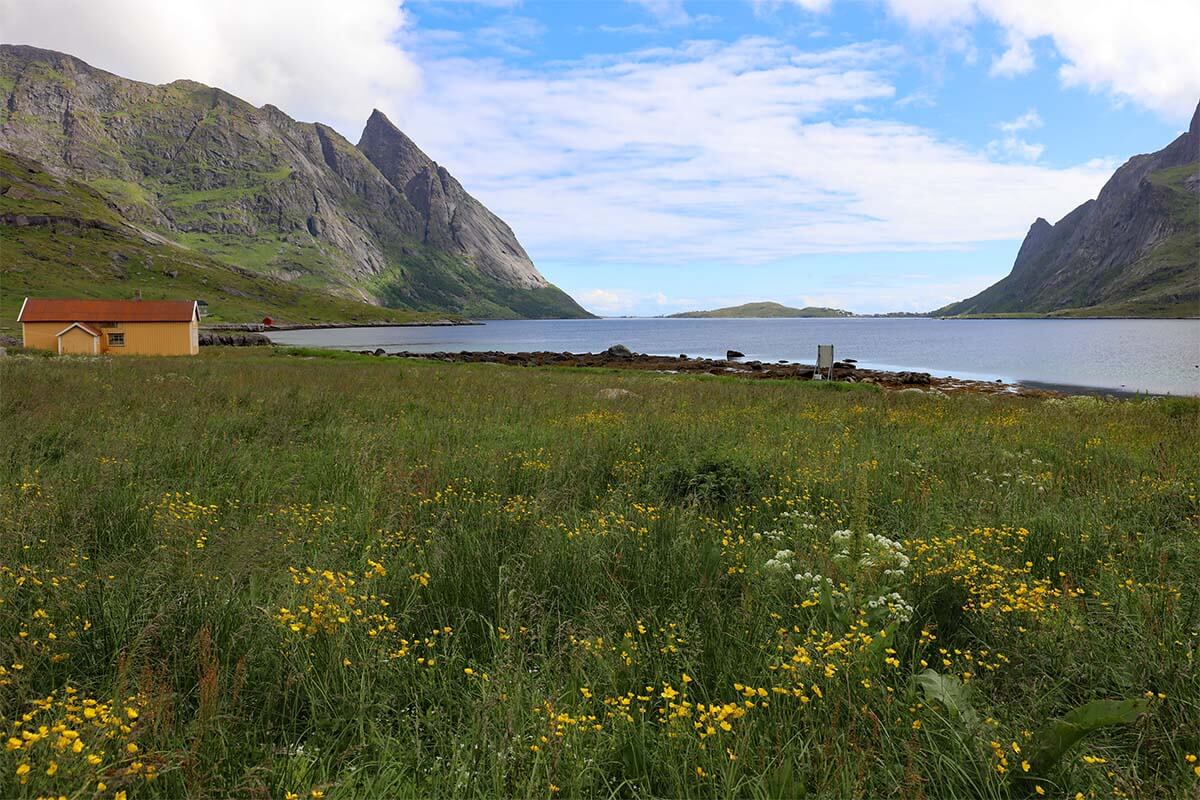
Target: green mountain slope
{"type": "Point", "coordinates": [1133, 251]}
{"type": "Point", "coordinates": [255, 189]}
{"type": "Point", "coordinates": [762, 310]}
{"type": "Point", "coordinates": [62, 238]}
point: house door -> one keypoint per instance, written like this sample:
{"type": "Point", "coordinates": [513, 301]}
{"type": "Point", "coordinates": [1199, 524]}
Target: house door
{"type": "Point", "coordinates": [78, 342]}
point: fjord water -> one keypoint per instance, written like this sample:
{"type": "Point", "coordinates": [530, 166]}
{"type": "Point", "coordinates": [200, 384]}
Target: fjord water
{"type": "Point", "coordinates": [1157, 356]}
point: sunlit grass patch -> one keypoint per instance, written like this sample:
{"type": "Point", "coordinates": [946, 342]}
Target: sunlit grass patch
{"type": "Point", "coordinates": [308, 572]}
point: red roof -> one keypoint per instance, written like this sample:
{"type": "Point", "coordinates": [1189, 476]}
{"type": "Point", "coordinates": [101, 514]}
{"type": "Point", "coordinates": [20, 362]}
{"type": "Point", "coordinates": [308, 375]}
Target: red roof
{"type": "Point", "coordinates": [39, 309]}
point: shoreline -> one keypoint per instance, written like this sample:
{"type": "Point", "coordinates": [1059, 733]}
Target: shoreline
{"type": "Point", "coordinates": [618, 357]}
{"type": "Point", "coordinates": [258, 327]}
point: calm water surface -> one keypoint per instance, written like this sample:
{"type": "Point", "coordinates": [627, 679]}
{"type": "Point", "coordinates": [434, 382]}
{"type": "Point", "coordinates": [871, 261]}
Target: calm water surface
{"type": "Point", "coordinates": [1159, 356]}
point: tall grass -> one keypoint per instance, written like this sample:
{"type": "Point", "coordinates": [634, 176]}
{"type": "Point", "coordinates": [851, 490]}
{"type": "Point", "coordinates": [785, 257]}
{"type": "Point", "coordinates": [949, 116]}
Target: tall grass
{"type": "Point", "coordinates": [276, 574]}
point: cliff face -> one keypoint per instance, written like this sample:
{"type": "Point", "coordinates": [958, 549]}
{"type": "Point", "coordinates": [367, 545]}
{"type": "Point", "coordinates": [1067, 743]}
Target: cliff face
{"type": "Point", "coordinates": [452, 219]}
{"type": "Point", "coordinates": [259, 190]}
{"type": "Point", "coordinates": [1134, 250]}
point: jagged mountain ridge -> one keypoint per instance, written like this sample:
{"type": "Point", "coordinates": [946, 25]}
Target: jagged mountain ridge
{"type": "Point", "coordinates": [255, 188]}
{"type": "Point", "coordinates": [1132, 251]}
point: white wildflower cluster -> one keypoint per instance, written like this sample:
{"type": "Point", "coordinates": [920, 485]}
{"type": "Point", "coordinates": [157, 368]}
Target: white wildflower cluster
{"type": "Point", "coordinates": [1008, 480]}
{"type": "Point", "coordinates": [770, 536]}
{"type": "Point", "coordinates": [813, 580]}
{"type": "Point", "coordinates": [898, 609]}
{"type": "Point", "coordinates": [805, 519]}
{"type": "Point", "coordinates": [782, 561]}
{"type": "Point", "coordinates": [841, 544]}
{"type": "Point", "coordinates": [878, 551]}
{"type": "Point", "coordinates": [885, 552]}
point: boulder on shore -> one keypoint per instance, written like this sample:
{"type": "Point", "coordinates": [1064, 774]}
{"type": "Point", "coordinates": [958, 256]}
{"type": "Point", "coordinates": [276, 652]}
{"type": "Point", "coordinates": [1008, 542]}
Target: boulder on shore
{"type": "Point", "coordinates": [731, 354]}
{"type": "Point", "coordinates": [619, 351]}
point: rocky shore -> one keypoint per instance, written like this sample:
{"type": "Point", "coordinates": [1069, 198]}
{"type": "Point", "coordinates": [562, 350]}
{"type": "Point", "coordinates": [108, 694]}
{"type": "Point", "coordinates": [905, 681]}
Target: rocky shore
{"type": "Point", "coordinates": [233, 338]}
{"type": "Point", "coordinates": [620, 357]}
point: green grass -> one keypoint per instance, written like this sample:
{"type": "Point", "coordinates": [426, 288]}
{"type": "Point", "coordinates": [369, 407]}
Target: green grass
{"type": "Point", "coordinates": [123, 193]}
{"type": "Point", "coordinates": [181, 539]}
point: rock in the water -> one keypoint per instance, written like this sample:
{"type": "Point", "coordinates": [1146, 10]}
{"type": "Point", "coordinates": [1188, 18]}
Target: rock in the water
{"type": "Point", "coordinates": [734, 354]}
{"type": "Point", "coordinates": [617, 394]}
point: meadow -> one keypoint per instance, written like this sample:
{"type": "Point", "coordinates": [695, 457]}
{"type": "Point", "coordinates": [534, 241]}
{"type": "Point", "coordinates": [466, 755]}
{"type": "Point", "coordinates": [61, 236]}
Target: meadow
{"type": "Point", "coordinates": [292, 574]}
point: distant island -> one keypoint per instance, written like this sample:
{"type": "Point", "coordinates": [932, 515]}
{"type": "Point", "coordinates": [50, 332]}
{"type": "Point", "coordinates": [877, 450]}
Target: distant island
{"type": "Point", "coordinates": [762, 310]}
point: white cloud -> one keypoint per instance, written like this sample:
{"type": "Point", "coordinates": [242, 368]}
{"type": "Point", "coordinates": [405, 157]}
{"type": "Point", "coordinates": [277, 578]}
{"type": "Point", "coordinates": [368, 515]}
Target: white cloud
{"type": "Point", "coordinates": [720, 153]}
{"type": "Point", "coordinates": [615, 302]}
{"type": "Point", "coordinates": [606, 301]}
{"type": "Point", "coordinates": [667, 12]}
{"type": "Point", "coordinates": [1016, 60]}
{"type": "Point", "coordinates": [1013, 145]}
{"type": "Point", "coordinates": [503, 4]}
{"type": "Point", "coordinates": [814, 6]}
{"type": "Point", "coordinates": [312, 61]}
{"type": "Point", "coordinates": [509, 34]}
{"type": "Point", "coordinates": [1030, 120]}
{"type": "Point", "coordinates": [1146, 52]}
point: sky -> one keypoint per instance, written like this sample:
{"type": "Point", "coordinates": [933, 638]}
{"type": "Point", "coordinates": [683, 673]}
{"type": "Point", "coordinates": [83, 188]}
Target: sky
{"type": "Point", "coordinates": [662, 155]}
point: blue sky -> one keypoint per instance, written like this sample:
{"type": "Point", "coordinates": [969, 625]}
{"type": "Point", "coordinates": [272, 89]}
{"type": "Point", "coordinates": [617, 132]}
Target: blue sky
{"type": "Point", "coordinates": [659, 155]}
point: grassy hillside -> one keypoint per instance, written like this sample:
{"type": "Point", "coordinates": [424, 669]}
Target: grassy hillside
{"type": "Point", "coordinates": [764, 310]}
{"type": "Point", "coordinates": [312, 574]}
{"type": "Point", "coordinates": [74, 243]}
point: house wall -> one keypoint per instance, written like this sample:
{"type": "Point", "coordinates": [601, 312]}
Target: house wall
{"type": "Point", "coordinates": [42, 334]}
{"type": "Point", "coordinates": [153, 338]}
{"type": "Point", "coordinates": [141, 338]}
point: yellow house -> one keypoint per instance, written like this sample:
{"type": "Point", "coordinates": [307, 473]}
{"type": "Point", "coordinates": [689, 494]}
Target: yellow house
{"type": "Point", "coordinates": [114, 327]}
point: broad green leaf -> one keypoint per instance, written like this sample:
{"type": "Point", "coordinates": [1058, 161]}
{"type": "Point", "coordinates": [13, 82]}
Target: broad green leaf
{"type": "Point", "coordinates": [1058, 736]}
{"type": "Point", "coordinates": [951, 693]}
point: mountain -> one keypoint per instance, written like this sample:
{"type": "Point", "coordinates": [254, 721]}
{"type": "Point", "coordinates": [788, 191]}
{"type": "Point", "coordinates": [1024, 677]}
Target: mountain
{"type": "Point", "coordinates": [380, 222]}
{"type": "Point", "coordinates": [1133, 251]}
{"type": "Point", "coordinates": [62, 238]}
{"type": "Point", "coordinates": [762, 310]}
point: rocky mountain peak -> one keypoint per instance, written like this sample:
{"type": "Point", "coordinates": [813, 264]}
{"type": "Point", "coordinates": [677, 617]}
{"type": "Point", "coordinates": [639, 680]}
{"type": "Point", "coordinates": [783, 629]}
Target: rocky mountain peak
{"type": "Point", "coordinates": [392, 153]}
{"type": "Point", "coordinates": [453, 219]}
